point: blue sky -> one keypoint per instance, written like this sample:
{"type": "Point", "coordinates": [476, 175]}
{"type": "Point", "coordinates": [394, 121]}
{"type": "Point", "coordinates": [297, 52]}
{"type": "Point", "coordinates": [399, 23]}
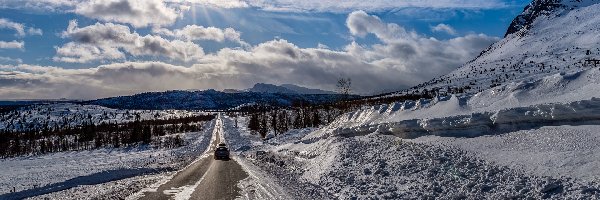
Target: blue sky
{"type": "Point", "coordinates": [49, 45]}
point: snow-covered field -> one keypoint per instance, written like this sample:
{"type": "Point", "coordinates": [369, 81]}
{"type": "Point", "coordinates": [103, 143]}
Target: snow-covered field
{"type": "Point", "coordinates": [103, 173]}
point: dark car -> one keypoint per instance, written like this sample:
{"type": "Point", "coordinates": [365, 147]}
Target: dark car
{"type": "Point", "coordinates": [222, 153]}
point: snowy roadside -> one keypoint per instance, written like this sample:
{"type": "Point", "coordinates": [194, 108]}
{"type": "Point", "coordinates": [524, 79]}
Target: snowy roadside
{"type": "Point", "coordinates": [101, 173]}
{"type": "Point", "coordinates": [384, 166]}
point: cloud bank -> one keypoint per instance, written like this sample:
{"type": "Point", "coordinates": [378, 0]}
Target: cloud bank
{"type": "Point", "coordinates": [402, 58]}
{"type": "Point", "coordinates": [110, 41]}
{"type": "Point", "coordinates": [12, 45]}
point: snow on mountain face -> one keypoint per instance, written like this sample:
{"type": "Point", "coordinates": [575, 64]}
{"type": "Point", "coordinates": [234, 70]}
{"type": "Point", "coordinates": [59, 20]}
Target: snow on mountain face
{"type": "Point", "coordinates": [549, 37]}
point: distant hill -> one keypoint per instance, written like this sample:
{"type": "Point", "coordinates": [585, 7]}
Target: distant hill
{"type": "Point", "coordinates": [210, 99]}
{"type": "Point", "coordinates": [286, 89]}
{"type": "Point", "coordinates": [303, 90]}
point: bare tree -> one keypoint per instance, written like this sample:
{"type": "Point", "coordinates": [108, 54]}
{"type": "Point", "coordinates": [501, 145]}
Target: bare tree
{"type": "Point", "coordinates": [344, 87]}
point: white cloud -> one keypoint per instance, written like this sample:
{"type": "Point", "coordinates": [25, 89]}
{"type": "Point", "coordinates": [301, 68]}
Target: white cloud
{"type": "Point", "coordinates": [18, 28]}
{"type": "Point", "coordinates": [82, 53]}
{"type": "Point", "coordinates": [111, 41]}
{"type": "Point", "coordinates": [34, 31]}
{"type": "Point", "coordinates": [135, 12]}
{"type": "Point", "coordinates": [12, 45]}
{"type": "Point", "coordinates": [445, 28]}
{"type": "Point", "coordinates": [10, 60]}
{"type": "Point", "coordinates": [322, 46]}
{"type": "Point", "coordinates": [195, 32]}
{"type": "Point", "coordinates": [360, 24]}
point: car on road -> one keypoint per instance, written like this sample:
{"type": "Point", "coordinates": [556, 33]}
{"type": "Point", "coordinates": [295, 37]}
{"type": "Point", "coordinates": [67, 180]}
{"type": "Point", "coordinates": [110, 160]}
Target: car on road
{"type": "Point", "coordinates": [221, 152]}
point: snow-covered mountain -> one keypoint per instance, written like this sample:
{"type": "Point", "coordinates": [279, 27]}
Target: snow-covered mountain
{"type": "Point", "coordinates": [549, 37]}
{"type": "Point", "coordinates": [285, 89]}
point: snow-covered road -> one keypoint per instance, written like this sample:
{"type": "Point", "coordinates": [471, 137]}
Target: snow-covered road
{"type": "Point", "coordinates": [205, 178]}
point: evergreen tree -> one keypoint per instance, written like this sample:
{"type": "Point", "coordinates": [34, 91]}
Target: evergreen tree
{"type": "Point", "coordinates": [254, 123]}
{"type": "Point", "coordinates": [146, 135]}
{"type": "Point", "coordinates": [264, 129]}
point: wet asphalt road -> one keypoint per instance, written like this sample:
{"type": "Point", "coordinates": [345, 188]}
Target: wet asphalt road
{"type": "Point", "coordinates": [212, 179]}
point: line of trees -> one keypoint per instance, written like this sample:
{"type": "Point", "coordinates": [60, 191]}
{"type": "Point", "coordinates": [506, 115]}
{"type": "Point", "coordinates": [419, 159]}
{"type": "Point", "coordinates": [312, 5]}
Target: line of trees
{"type": "Point", "coordinates": [88, 136]}
{"type": "Point", "coordinates": [280, 120]}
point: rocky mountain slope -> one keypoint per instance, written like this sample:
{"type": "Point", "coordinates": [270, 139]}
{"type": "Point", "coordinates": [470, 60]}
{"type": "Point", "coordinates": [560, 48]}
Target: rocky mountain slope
{"type": "Point", "coordinates": [549, 37]}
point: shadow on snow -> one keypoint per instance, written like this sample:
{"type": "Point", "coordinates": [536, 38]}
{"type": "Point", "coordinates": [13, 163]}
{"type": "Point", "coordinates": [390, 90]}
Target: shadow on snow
{"type": "Point", "coordinates": [92, 179]}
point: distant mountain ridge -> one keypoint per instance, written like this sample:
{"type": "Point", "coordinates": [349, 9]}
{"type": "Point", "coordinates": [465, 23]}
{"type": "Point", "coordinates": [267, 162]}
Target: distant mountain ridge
{"type": "Point", "coordinates": [285, 89]}
{"type": "Point", "coordinates": [210, 100]}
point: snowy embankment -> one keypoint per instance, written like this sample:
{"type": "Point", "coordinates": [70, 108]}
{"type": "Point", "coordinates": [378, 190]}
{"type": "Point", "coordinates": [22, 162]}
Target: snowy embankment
{"type": "Point", "coordinates": [514, 148]}
{"type": "Point", "coordinates": [486, 123]}
{"type": "Point", "coordinates": [561, 99]}
{"type": "Point", "coordinates": [103, 173]}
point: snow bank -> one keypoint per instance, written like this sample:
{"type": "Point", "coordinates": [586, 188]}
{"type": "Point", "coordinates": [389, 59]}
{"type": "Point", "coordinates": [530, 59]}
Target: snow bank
{"type": "Point", "coordinates": [557, 151]}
